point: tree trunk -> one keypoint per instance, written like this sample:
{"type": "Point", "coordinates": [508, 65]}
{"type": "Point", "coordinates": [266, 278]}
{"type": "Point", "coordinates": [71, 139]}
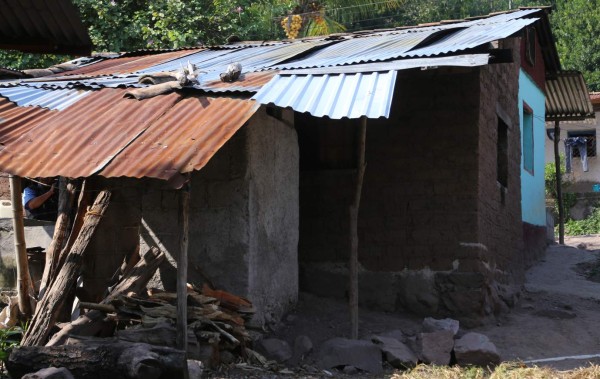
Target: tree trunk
{"type": "Point", "coordinates": [101, 360]}
{"type": "Point", "coordinates": [66, 201]}
{"type": "Point", "coordinates": [52, 304]}
{"type": "Point", "coordinates": [25, 286]}
{"type": "Point", "coordinates": [135, 281]}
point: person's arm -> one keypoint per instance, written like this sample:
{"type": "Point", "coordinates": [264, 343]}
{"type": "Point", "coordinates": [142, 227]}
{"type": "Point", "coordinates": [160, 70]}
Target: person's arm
{"type": "Point", "coordinates": [37, 202]}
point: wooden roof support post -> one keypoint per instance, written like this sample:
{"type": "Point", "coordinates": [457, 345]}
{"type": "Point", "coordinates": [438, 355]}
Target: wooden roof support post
{"type": "Point", "coordinates": [182, 266]}
{"type": "Point", "coordinates": [354, 207]}
{"type": "Point", "coordinates": [24, 284]}
{"type": "Point", "coordinates": [559, 198]}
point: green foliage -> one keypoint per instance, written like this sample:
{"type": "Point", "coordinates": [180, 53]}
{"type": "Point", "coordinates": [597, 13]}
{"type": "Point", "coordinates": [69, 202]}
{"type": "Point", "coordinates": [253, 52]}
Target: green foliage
{"type": "Point", "coordinates": [589, 225]}
{"type": "Point", "coordinates": [9, 339]}
{"type": "Point", "coordinates": [20, 61]}
{"type": "Point", "coordinates": [576, 24]}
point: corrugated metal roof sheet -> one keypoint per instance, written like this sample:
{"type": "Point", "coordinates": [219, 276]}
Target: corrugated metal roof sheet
{"type": "Point", "coordinates": [567, 98]}
{"type": "Point", "coordinates": [105, 129]}
{"type": "Point", "coordinates": [16, 121]}
{"type": "Point", "coordinates": [413, 42]}
{"type": "Point", "coordinates": [472, 37]}
{"type": "Point", "coordinates": [50, 26]}
{"type": "Point", "coordinates": [249, 82]}
{"type": "Point", "coordinates": [214, 62]}
{"type": "Point", "coordinates": [370, 48]}
{"type": "Point", "coordinates": [129, 64]}
{"type": "Point", "coordinates": [184, 139]}
{"type": "Point", "coordinates": [335, 96]}
{"type": "Point", "coordinates": [51, 99]}
{"type": "Point", "coordinates": [349, 91]}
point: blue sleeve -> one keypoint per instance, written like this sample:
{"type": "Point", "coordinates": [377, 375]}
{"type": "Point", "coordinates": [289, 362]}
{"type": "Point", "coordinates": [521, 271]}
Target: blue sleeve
{"type": "Point", "coordinates": [28, 194]}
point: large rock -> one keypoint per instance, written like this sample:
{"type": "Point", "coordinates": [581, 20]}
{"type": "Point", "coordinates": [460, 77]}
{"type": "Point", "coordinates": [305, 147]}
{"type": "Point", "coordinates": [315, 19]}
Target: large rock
{"type": "Point", "coordinates": [302, 347]}
{"type": "Point", "coordinates": [396, 353]}
{"type": "Point", "coordinates": [433, 325]}
{"type": "Point", "coordinates": [275, 349]}
{"type": "Point", "coordinates": [363, 355]}
{"type": "Point", "coordinates": [436, 347]}
{"type": "Point", "coordinates": [50, 373]}
{"type": "Point", "coordinates": [476, 349]}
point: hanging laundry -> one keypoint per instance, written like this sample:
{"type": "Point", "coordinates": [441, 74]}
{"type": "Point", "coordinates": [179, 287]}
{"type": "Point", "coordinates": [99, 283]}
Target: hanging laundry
{"type": "Point", "coordinates": [579, 143]}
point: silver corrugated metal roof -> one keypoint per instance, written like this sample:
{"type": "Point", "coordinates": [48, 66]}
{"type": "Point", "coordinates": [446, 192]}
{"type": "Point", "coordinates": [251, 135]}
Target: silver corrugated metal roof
{"type": "Point", "coordinates": [349, 91]}
{"type": "Point", "coordinates": [414, 42]}
{"type": "Point", "coordinates": [567, 98]}
{"type": "Point", "coordinates": [467, 60]}
{"type": "Point", "coordinates": [472, 37]}
{"type": "Point", "coordinates": [51, 99]}
{"type": "Point", "coordinates": [335, 96]}
{"type": "Point", "coordinates": [252, 59]}
{"type": "Point", "coordinates": [363, 49]}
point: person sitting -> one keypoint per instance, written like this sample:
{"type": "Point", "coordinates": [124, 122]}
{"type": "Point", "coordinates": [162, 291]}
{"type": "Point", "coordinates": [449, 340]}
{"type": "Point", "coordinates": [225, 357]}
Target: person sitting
{"type": "Point", "coordinates": [39, 200]}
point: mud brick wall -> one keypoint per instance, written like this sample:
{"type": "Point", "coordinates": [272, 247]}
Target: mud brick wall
{"type": "Point", "coordinates": [500, 228]}
{"type": "Point", "coordinates": [434, 236]}
{"type": "Point", "coordinates": [243, 218]}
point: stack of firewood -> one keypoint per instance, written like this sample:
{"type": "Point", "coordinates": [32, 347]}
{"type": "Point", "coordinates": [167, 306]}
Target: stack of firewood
{"type": "Point", "coordinates": [216, 320]}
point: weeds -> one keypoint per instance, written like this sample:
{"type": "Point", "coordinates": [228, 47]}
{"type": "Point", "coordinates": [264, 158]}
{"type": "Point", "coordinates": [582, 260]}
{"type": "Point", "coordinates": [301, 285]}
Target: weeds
{"type": "Point", "coordinates": [510, 370]}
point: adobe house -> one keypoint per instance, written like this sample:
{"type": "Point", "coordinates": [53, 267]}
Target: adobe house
{"type": "Point", "coordinates": [272, 162]}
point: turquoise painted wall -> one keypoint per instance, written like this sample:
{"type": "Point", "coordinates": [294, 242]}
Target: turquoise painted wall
{"type": "Point", "coordinates": [532, 183]}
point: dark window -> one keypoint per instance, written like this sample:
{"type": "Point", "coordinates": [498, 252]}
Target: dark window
{"type": "Point", "coordinates": [502, 153]}
{"type": "Point", "coordinates": [528, 139]}
{"type": "Point", "coordinates": [590, 136]}
{"type": "Point", "coordinates": [530, 46]}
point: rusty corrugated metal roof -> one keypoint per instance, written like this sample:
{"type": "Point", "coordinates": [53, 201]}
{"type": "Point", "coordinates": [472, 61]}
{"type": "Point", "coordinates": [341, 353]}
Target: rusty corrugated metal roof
{"type": "Point", "coordinates": [567, 98]}
{"type": "Point", "coordinates": [52, 99]}
{"type": "Point", "coordinates": [183, 140]}
{"type": "Point", "coordinates": [109, 135]}
{"type": "Point", "coordinates": [16, 121]}
{"type": "Point", "coordinates": [48, 26]}
{"type": "Point", "coordinates": [128, 64]}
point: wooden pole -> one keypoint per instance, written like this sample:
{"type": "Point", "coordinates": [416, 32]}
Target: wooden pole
{"type": "Point", "coordinates": [24, 284]}
{"type": "Point", "coordinates": [559, 197]}
{"type": "Point", "coordinates": [182, 266]}
{"type": "Point", "coordinates": [354, 207]}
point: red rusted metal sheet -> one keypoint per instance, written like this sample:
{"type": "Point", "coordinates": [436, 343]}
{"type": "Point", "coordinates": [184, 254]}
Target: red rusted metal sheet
{"type": "Point", "coordinates": [248, 82]}
{"type": "Point", "coordinates": [127, 65]}
{"type": "Point", "coordinates": [81, 140]}
{"type": "Point", "coordinates": [15, 121]}
{"type": "Point", "coordinates": [184, 139]}
{"type": "Point", "coordinates": [109, 135]}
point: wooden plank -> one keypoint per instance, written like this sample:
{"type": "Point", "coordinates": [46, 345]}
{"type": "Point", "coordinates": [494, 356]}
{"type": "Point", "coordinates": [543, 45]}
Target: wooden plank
{"type": "Point", "coordinates": [50, 307]}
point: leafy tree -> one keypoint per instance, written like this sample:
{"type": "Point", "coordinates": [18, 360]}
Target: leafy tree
{"type": "Point", "coordinates": [576, 26]}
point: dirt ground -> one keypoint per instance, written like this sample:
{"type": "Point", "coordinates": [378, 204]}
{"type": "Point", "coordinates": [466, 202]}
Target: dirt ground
{"type": "Point", "coordinates": [558, 315]}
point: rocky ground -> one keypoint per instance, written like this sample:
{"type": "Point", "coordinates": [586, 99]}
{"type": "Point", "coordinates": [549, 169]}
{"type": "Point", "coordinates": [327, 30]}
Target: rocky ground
{"type": "Point", "coordinates": [554, 324]}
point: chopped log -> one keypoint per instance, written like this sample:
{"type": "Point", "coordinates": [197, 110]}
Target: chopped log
{"type": "Point", "coordinates": [101, 360]}
{"type": "Point", "coordinates": [66, 201]}
{"type": "Point", "coordinates": [106, 308]}
{"type": "Point", "coordinates": [51, 306]}
{"type": "Point", "coordinates": [228, 300]}
{"type": "Point", "coordinates": [135, 281]}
